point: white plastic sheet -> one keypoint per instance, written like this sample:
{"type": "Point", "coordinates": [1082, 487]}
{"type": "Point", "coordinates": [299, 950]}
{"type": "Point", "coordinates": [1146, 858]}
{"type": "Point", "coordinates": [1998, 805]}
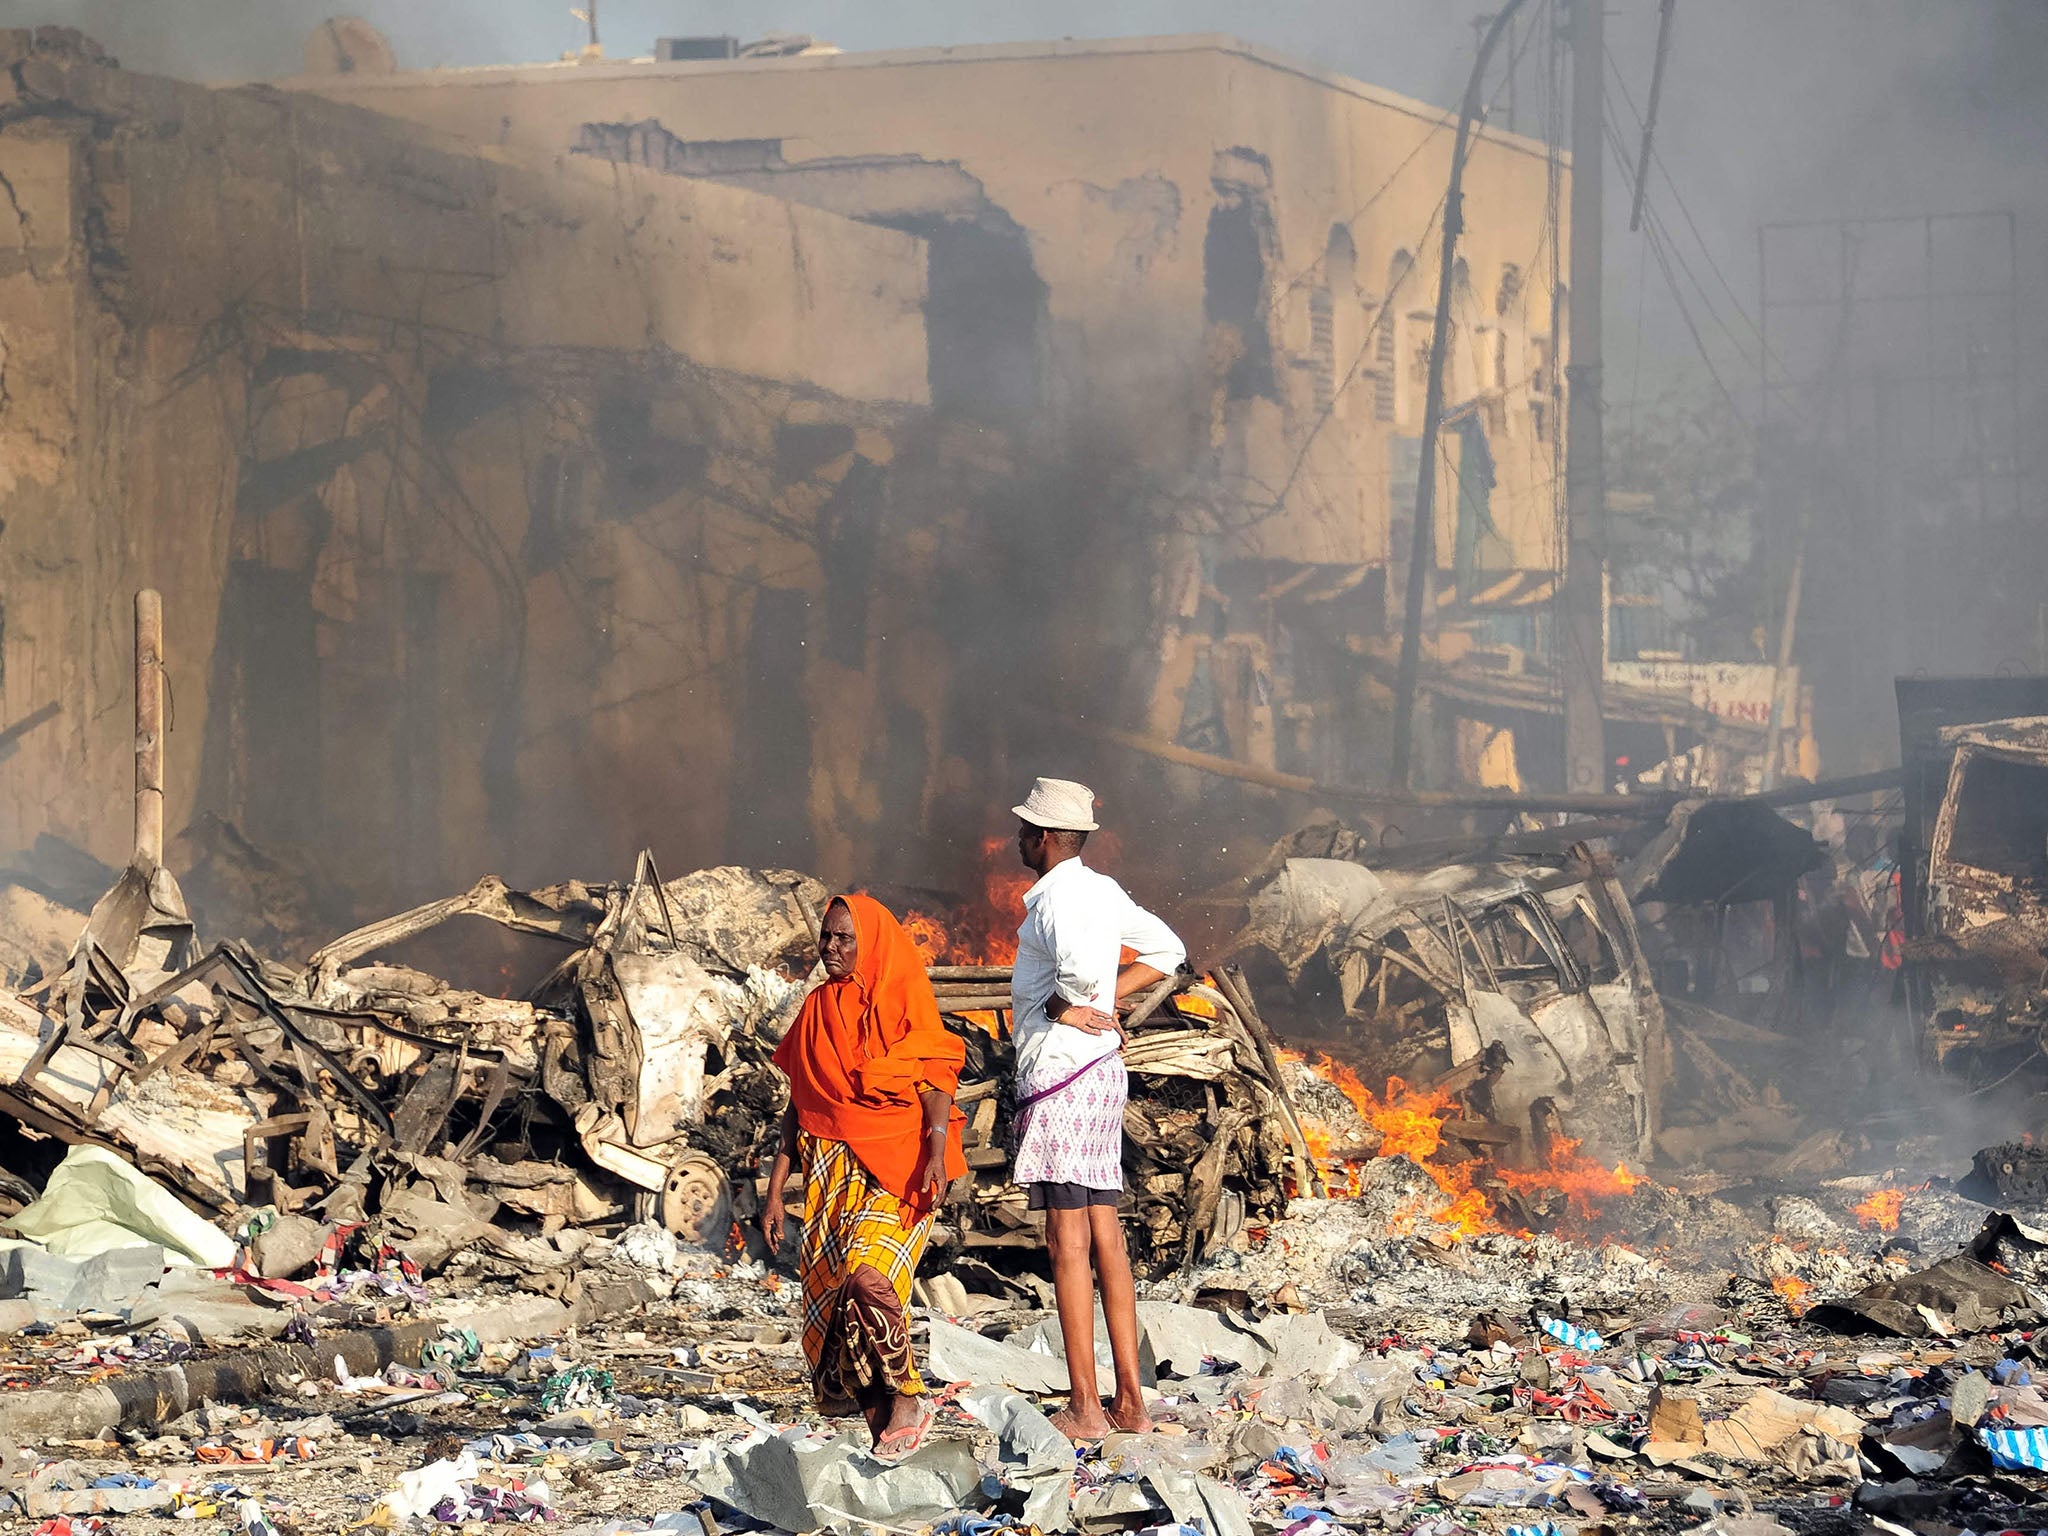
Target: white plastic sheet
{"type": "Point", "coordinates": [95, 1202]}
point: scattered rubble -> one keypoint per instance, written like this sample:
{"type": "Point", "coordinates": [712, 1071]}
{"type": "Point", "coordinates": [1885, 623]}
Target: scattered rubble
{"type": "Point", "coordinates": [348, 1243]}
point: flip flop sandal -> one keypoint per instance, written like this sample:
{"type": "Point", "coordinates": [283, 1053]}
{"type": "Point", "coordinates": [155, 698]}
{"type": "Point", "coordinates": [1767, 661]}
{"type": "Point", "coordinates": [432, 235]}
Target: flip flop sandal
{"type": "Point", "coordinates": [1118, 1424]}
{"type": "Point", "coordinates": [895, 1444]}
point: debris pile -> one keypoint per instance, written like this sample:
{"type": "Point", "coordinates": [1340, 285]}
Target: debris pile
{"type": "Point", "coordinates": [630, 1082]}
{"type": "Point", "coordinates": [1519, 987]}
{"type": "Point", "coordinates": [1212, 1141]}
{"type": "Point", "coordinates": [360, 1087]}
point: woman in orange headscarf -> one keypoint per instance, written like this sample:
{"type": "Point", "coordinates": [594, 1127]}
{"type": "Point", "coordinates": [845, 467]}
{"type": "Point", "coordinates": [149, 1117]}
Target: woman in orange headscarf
{"type": "Point", "coordinates": [872, 1074]}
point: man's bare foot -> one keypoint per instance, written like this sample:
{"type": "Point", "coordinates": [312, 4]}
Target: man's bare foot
{"type": "Point", "coordinates": [1070, 1421]}
{"type": "Point", "coordinates": [1130, 1417]}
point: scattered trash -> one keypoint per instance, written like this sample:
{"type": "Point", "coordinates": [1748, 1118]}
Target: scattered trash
{"type": "Point", "coordinates": [266, 1449]}
{"type": "Point", "coordinates": [580, 1386]}
{"type": "Point", "coordinates": [1586, 1340]}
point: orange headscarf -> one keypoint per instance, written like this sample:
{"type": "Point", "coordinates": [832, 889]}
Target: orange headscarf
{"type": "Point", "coordinates": [863, 1046]}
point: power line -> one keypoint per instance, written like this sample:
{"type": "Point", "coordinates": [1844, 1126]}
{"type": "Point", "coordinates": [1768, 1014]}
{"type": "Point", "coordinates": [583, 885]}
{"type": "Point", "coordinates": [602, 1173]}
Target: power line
{"type": "Point", "coordinates": [1685, 211]}
{"type": "Point", "coordinates": [1658, 248]}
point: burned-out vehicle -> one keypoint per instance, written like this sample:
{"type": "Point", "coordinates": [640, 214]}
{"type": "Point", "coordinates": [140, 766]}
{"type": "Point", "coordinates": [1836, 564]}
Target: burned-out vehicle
{"type": "Point", "coordinates": [1977, 960]}
{"type": "Point", "coordinates": [1523, 983]}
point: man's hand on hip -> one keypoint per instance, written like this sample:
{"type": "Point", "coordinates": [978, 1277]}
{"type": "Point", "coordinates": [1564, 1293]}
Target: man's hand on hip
{"type": "Point", "coordinates": [1093, 1020]}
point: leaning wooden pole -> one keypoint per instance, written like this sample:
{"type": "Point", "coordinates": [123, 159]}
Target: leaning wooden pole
{"type": "Point", "coordinates": [1422, 538]}
{"type": "Point", "coordinates": [1582, 653]}
{"type": "Point", "coordinates": [149, 729]}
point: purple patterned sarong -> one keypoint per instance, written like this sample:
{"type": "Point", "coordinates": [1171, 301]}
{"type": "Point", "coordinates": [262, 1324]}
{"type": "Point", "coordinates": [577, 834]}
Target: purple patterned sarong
{"type": "Point", "coordinates": [1074, 1134]}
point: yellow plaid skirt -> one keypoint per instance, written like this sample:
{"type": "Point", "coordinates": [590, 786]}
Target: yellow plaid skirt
{"type": "Point", "coordinates": [856, 1336]}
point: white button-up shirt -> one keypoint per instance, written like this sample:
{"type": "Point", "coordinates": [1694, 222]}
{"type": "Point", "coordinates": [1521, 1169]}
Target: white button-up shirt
{"type": "Point", "coordinates": [1077, 923]}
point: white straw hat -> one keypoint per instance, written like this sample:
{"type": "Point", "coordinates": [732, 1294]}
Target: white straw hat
{"type": "Point", "coordinates": [1060, 804]}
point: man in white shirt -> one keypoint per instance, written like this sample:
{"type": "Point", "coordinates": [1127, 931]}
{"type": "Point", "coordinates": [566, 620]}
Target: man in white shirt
{"type": "Point", "coordinates": [1071, 1087]}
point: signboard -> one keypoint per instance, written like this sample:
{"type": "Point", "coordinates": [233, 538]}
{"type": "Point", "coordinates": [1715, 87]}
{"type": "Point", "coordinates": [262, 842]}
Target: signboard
{"type": "Point", "coordinates": [1736, 691]}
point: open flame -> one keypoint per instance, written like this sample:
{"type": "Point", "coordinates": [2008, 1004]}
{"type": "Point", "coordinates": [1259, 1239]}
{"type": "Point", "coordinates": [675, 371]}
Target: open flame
{"type": "Point", "coordinates": [929, 935]}
{"type": "Point", "coordinates": [984, 929]}
{"type": "Point", "coordinates": [1582, 1179]}
{"type": "Point", "coordinates": [1793, 1289]}
{"type": "Point", "coordinates": [1411, 1124]}
{"type": "Point", "coordinates": [1881, 1210]}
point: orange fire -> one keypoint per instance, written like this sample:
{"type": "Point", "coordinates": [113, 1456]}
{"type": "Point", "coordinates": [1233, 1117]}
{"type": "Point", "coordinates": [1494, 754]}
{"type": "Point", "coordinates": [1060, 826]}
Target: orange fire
{"type": "Point", "coordinates": [1882, 1209]}
{"type": "Point", "coordinates": [1411, 1124]}
{"type": "Point", "coordinates": [984, 930]}
{"type": "Point", "coordinates": [1582, 1179]}
{"type": "Point", "coordinates": [928, 934]}
{"type": "Point", "coordinates": [1793, 1289]}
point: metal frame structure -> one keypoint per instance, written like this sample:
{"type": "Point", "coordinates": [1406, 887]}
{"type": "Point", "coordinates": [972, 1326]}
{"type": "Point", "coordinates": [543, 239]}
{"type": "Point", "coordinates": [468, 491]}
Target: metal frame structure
{"type": "Point", "coordinates": [1989, 309]}
{"type": "Point", "coordinates": [1891, 367]}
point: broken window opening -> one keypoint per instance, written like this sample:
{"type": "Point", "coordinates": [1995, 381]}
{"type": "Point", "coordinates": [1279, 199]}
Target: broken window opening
{"type": "Point", "coordinates": [2001, 818]}
{"type": "Point", "coordinates": [417, 769]}
{"type": "Point", "coordinates": [1387, 397]}
{"type": "Point", "coordinates": [1505, 302]}
{"type": "Point", "coordinates": [802, 448]}
{"type": "Point", "coordinates": [1322, 350]}
{"type": "Point", "coordinates": [1516, 943]}
{"type": "Point", "coordinates": [1234, 294]}
{"type": "Point", "coordinates": [1580, 927]}
{"type": "Point", "coordinates": [1510, 289]}
{"type": "Point", "coordinates": [460, 397]}
{"type": "Point", "coordinates": [984, 302]}
{"type": "Point", "coordinates": [554, 512]}
{"type": "Point", "coordinates": [899, 763]}
{"type": "Point", "coordinates": [260, 762]}
{"type": "Point", "coordinates": [1333, 354]}
{"type": "Point", "coordinates": [849, 525]}
{"type": "Point", "coordinates": [642, 468]}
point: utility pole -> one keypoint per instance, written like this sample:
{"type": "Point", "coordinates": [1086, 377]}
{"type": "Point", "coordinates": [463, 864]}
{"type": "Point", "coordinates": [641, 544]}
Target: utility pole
{"type": "Point", "coordinates": [1422, 540]}
{"type": "Point", "coordinates": [149, 731]}
{"type": "Point", "coordinates": [1583, 652]}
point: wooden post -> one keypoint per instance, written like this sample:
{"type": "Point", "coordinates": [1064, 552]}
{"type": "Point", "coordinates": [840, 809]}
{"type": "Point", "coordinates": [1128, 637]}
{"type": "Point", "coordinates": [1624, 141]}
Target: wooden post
{"type": "Point", "coordinates": [149, 729]}
{"type": "Point", "coordinates": [1583, 653]}
{"type": "Point", "coordinates": [1422, 539]}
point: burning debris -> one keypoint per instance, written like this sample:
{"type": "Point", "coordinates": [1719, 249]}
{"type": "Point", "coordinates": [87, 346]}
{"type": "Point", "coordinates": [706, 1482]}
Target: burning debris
{"type": "Point", "coordinates": [625, 1084]}
{"type": "Point", "coordinates": [1438, 1131]}
{"type": "Point", "coordinates": [1399, 1273]}
{"type": "Point", "coordinates": [1519, 990]}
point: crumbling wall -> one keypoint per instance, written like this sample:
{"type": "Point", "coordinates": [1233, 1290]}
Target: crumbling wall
{"type": "Point", "coordinates": [1221, 372]}
{"type": "Point", "coordinates": [464, 477]}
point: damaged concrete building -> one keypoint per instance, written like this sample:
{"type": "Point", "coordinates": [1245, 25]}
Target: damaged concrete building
{"type": "Point", "coordinates": [514, 445]}
{"type": "Point", "coordinates": [1187, 283]}
{"type": "Point", "coordinates": [494, 495]}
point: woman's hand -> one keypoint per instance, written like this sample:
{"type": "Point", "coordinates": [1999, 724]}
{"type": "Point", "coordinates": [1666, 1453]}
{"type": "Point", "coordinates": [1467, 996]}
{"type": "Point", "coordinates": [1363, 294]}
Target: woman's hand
{"type": "Point", "coordinates": [773, 1216]}
{"type": "Point", "coordinates": [930, 1177]}
{"type": "Point", "coordinates": [772, 1213]}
